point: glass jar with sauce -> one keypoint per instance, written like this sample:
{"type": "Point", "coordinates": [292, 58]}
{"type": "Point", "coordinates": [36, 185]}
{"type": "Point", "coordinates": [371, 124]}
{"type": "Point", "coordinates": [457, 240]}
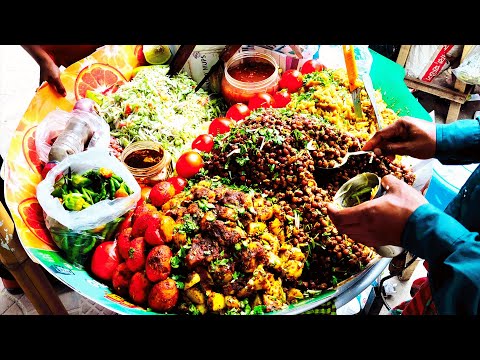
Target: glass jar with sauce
{"type": "Point", "coordinates": [248, 73]}
{"type": "Point", "coordinates": [148, 162]}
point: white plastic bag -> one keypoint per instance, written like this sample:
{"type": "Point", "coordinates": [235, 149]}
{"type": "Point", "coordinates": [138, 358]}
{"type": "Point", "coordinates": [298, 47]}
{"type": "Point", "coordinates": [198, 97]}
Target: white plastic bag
{"type": "Point", "coordinates": [425, 62]}
{"type": "Point", "coordinates": [54, 123]}
{"type": "Point", "coordinates": [469, 70]}
{"type": "Point", "coordinates": [78, 232]}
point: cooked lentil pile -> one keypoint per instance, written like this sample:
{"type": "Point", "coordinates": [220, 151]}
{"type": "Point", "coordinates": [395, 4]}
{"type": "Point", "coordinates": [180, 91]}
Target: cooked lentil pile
{"type": "Point", "coordinates": [278, 152]}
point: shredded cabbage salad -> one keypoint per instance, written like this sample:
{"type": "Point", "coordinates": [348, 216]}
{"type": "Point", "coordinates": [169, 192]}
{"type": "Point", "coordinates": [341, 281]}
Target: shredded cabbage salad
{"type": "Point", "coordinates": [155, 106]}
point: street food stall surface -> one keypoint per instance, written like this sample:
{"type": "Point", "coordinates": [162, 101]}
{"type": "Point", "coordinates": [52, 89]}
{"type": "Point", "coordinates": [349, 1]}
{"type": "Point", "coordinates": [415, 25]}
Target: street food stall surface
{"type": "Point", "coordinates": [343, 294]}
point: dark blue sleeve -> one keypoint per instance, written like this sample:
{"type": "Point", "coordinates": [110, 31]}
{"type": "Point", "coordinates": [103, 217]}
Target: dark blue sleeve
{"type": "Point", "coordinates": [458, 142]}
{"type": "Point", "coordinates": [453, 256]}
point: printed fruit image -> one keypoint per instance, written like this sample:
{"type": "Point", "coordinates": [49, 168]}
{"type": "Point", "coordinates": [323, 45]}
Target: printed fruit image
{"type": "Point", "coordinates": [156, 54]}
{"type": "Point", "coordinates": [30, 152]}
{"type": "Point", "coordinates": [100, 78]}
{"type": "Point", "coordinates": [32, 215]}
{"type": "Point", "coordinates": [140, 56]}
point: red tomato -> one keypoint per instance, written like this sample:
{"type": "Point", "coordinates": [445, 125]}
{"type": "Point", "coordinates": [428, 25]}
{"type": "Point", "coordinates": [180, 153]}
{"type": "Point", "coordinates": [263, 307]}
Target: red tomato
{"type": "Point", "coordinates": [263, 99]}
{"type": "Point", "coordinates": [292, 80]}
{"type": "Point", "coordinates": [105, 260]}
{"type": "Point", "coordinates": [161, 192]}
{"type": "Point", "coordinates": [282, 98]}
{"type": "Point", "coordinates": [178, 183]}
{"type": "Point", "coordinates": [238, 111]}
{"type": "Point", "coordinates": [203, 142]}
{"type": "Point", "coordinates": [220, 125]}
{"type": "Point", "coordinates": [312, 65]}
{"type": "Point", "coordinates": [189, 164]}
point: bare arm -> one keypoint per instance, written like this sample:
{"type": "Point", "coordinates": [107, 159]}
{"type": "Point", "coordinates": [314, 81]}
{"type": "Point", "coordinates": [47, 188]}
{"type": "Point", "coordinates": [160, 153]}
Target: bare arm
{"type": "Point", "coordinates": [49, 70]}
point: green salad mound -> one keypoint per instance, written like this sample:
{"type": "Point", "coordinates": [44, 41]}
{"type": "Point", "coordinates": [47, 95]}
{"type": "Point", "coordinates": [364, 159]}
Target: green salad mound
{"type": "Point", "coordinates": [158, 107]}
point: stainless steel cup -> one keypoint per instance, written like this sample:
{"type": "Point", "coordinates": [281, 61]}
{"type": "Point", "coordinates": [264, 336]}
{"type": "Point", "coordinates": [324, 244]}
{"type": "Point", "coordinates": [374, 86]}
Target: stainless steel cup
{"type": "Point", "coordinates": [364, 187]}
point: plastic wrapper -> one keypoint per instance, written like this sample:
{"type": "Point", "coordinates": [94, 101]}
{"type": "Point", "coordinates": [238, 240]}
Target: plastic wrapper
{"type": "Point", "coordinates": [469, 70]}
{"type": "Point", "coordinates": [76, 233]}
{"type": "Point", "coordinates": [55, 122]}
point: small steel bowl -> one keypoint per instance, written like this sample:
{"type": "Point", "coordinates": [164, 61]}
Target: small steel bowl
{"type": "Point", "coordinates": [361, 188]}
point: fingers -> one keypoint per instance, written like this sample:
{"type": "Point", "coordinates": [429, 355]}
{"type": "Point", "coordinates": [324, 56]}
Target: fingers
{"type": "Point", "coordinates": [384, 136]}
{"type": "Point", "coordinates": [392, 185]}
{"type": "Point", "coordinates": [346, 216]}
{"type": "Point", "coordinates": [57, 83]}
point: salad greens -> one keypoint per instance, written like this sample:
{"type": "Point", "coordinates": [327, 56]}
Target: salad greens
{"type": "Point", "coordinates": [157, 107]}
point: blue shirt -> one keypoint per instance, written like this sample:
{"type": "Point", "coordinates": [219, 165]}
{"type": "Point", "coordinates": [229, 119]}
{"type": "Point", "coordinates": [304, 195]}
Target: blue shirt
{"type": "Point", "coordinates": [449, 240]}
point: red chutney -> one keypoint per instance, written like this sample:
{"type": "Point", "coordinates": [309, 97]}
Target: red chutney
{"type": "Point", "coordinates": [251, 71]}
{"type": "Point", "coordinates": [246, 74]}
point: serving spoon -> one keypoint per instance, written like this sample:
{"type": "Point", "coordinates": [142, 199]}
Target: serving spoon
{"type": "Point", "coordinates": [345, 158]}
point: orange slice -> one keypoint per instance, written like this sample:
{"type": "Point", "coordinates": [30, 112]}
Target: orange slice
{"type": "Point", "coordinates": [32, 215]}
{"type": "Point", "coordinates": [30, 150]}
{"type": "Point", "coordinates": [98, 77]}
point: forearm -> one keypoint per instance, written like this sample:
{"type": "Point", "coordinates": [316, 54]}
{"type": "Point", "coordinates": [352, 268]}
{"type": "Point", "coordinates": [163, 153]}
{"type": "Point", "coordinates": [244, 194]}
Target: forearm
{"type": "Point", "coordinates": [458, 142]}
{"type": "Point", "coordinates": [40, 56]}
{"type": "Point", "coordinates": [452, 253]}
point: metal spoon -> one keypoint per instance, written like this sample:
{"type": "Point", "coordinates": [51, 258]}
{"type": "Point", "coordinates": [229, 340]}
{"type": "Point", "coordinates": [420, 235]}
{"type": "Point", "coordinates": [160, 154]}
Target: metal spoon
{"type": "Point", "coordinates": [345, 158]}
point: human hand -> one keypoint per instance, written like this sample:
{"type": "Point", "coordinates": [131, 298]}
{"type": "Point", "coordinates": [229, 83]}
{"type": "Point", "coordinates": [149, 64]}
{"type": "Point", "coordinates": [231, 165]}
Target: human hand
{"type": "Point", "coordinates": [50, 73]}
{"type": "Point", "coordinates": [379, 221]}
{"type": "Point", "coordinates": [406, 136]}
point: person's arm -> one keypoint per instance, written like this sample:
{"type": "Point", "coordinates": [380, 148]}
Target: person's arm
{"type": "Point", "coordinates": [49, 70]}
{"type": "Point", "coordinates": [452, 253]}
{"type": "Point", "coordinates": [458, 142]}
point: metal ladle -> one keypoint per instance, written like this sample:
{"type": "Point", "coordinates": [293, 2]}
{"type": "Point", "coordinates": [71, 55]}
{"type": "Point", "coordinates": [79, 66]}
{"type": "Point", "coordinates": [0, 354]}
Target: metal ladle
{"type": "Point", "coordinates": [345, 158]}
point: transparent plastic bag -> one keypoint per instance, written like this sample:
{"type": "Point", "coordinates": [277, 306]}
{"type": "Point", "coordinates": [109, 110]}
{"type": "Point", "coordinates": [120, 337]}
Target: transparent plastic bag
{"type": "Point", "coordinates": [55, 122]}
{"type": "Point", "coordinates": [78, 232]}
{"type": "Point", "coordinates": [469, 70]}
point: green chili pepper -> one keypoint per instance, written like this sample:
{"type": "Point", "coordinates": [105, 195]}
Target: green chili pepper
{"type": "Point", "coordinates": [73, 201]}
{"type": "Point", "coordinates": [112, 188]}
{"type": "Point", "coordinates": [118, 178]}
{"type": "Point", "coordinates": [80, 181]}
{"type": "Point", "coordinates": [116, 183]}
{"type": "Point", "coordinates": [90, 243]}
{"type": "Point", "coordinates": [87, 196]}
{"type": "Point", "coordinates": [103, 192]}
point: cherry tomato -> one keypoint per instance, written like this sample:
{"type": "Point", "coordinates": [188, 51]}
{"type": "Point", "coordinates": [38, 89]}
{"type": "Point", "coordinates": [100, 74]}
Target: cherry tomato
{"type": "Point", "coordinates": [203, 142]}
{"type": "Point", "coordinates": [263, 99]}
{"type": "Point", "coordinates": [220, 125]}
{"type": "Point", "coordinates": [292, 80]}
{"type": "Point", "coordinates": [178, 183]}
{"type": "Point", "coordinates": [312, 65]}
{"type": "Point", "coordinates": [282, 98]}
{"type": "Point", "coordinates": [189, 164]}
{"type": "Point", "coordinates": [105, 260]}
{"type": "Point", "coordinates": [238, 111]}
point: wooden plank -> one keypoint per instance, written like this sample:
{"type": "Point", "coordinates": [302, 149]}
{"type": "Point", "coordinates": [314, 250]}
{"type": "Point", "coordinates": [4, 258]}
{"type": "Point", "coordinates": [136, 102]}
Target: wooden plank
{"type": "Point", "coordinates": [28, 274]}
{"type": "Point", "coordinates": [403, 55]}
{"type": "Point", "coordinates": [453, 112]}
{"type": "Point", "coordinates": [437, 90]}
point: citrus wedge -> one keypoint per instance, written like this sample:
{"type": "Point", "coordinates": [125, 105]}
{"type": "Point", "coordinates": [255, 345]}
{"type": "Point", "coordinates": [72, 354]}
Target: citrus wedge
{"type": "Point", "coordinates": [156, 54]}
{"type": "Point", "coordinates": [98, 77]}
